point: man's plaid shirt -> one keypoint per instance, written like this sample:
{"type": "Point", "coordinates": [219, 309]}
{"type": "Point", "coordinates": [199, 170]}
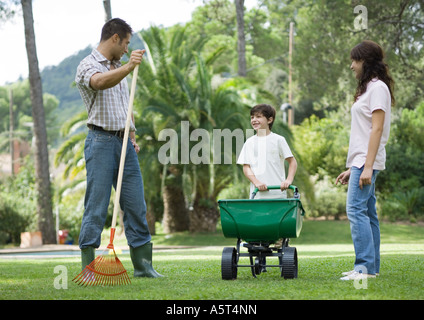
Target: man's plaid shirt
{"type": "Point", "coordinates": [106, 108]}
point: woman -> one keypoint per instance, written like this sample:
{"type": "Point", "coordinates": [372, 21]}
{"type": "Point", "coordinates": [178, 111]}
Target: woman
{"type": "Point", "coordinates": [370, 128]}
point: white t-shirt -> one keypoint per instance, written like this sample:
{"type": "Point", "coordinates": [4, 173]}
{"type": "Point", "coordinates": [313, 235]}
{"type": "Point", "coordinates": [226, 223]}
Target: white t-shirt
{"type": "Point", "coordinates": [377, 97]}
{"type": "Point", "coordinates": [266, 156]}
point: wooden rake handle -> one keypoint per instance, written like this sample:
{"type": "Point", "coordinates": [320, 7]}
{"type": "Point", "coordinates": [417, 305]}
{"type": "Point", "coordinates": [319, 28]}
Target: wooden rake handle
{"type": "Point", "coordinates": [116, 206]}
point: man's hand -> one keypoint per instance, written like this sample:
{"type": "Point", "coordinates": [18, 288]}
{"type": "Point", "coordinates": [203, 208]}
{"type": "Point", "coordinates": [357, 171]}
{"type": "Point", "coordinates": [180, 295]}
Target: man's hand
{"type": "Point", "coordinates": [135, 145]}
{"type": "Point", "coordinates": [132, 139]}
{"type": "Point", "coordinates": [106, 80]}
{"type": "Point", "coordinates": [136, 58]}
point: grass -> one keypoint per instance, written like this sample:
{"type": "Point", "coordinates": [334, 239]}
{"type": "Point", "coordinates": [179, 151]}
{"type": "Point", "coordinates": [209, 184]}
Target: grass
{"type": "Point", "coordinates": [324, 250]}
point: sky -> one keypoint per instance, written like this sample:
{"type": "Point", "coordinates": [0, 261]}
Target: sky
{"type": "Point", "coordinates": [63, 28]}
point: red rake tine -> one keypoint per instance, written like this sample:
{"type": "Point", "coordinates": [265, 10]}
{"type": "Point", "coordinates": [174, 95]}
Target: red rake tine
{"type": "Point", "coordinates": [104, 270]}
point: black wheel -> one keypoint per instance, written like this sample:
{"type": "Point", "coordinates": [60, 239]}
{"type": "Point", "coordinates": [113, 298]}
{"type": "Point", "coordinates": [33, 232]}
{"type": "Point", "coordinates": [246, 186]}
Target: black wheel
{"type": "Point", "coordinates": [257, 267]}
{"type": "Point", "coordinates": [289, 263]}
{"type": "Point", "coordinates": [229, 264]}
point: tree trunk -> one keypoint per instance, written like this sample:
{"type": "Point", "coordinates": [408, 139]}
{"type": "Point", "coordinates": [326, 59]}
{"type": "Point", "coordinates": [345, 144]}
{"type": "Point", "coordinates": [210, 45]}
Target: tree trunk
{"type": "Point", "coordinates": [175, 215]}
{"type": "Point", "coordinates": [241, 41]}
{"type": "Point", "coordinates": [108, 10]}
{"type": "Point", "coordinates": [42, 175]}
{"type": "Point", "coordinates": [151, 220]}
{"type": "Point", "coordinates": [204, 216]}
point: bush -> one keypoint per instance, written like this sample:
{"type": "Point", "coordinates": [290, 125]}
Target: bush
{"type": "Point", "coordinates": [17, 204]}
{"type": "Point", "coordinates": [405, 161]}
{"type": "Point", "coordinates": [401, 205]}
{"type": "Point", "coordinates": [71, 209]}
{"type": "Point", "coordinates": [12, 222]}
{"type": "Point", "coordinates": [330, 200]}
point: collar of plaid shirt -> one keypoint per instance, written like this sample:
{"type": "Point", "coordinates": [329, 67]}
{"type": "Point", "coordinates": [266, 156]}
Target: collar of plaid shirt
{"type": "Point", "coordinates": [106, 108]}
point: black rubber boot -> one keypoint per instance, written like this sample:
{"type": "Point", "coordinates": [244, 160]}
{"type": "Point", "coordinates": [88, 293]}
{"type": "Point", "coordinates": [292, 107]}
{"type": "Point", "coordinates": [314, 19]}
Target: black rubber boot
{"type": "Point", "coordinates": [87, 256]}
{"type": "Point", "coordinates": [141, 258]}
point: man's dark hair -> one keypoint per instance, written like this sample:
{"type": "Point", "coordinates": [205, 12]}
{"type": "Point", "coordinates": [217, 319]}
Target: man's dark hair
{"type": "Point", "coordinates": [117, 26]}
{"type": "Point", "coordinates": [266, 110]}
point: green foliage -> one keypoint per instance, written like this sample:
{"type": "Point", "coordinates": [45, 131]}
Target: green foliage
{"type": "Point", "coordinates": [71, 209]}
{"type": "Point", "coordinates": [401, 183]}
{"type": "Point", "coordinates": [325, 34]}
{"type": "Point", "coordinates": [180, 89]}
{"type": "Point", "coordinates": [71, 151]}
{"type": "Point", "coordinates": [322, 145]}
{"type": "Point", "coordinates": [13, 222]}
{"type": "Point", "coordinates": [330, 200]}
{"type": "Point", "coordinates": [321, 148]}
{"type": "Point", "coordinates": [408, 205]}
{"type": "Point", "coordinates": [190, 77]}
{"type": "Point", "coordinates": [22, 114]}
{"type": "Point", "coordinates": [18, 204]}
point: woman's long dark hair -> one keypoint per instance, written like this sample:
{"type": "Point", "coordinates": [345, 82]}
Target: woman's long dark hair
{"type": "Point", "coordinates": [373, 67]}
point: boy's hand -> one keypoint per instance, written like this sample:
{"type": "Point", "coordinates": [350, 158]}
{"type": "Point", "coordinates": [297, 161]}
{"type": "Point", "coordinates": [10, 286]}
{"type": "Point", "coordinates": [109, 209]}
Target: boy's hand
{"type": "Point", "coordinates": [285, 185]}
{"type": "Point", "coordinates": [261, 186]}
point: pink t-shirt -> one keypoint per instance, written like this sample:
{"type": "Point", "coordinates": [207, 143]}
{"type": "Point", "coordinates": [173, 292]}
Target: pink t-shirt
{"type": "Point", "coordinates": [377, 97]}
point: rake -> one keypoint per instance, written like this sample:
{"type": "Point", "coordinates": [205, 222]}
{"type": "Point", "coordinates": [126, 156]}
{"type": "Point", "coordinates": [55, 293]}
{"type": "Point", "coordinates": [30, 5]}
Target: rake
{"type": "Point", "coordinates": [107, 269]}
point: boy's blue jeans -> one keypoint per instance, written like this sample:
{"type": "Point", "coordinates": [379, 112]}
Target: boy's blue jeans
{"type": "Point", "coordinates": [364, 225]}
{"type": "Point", "coordinates": [102, 153]}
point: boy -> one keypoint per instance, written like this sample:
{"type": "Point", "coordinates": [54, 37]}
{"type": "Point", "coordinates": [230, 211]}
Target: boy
{"type": "Point", "coordinates": [263, 156]}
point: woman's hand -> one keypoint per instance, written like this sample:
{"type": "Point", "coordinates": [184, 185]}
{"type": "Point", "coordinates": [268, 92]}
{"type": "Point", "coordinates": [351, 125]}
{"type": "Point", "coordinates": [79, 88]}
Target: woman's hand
{"type": "Point", "coordinates": [343, 177]}
{"type": "Point", "coordinates": [365, 177]}
{"type": "Point", "coordinates": [135, 145]}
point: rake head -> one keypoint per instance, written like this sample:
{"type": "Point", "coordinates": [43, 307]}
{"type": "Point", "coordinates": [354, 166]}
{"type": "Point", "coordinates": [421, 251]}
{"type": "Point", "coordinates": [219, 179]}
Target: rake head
{"type": "Point", "coordinates": [105, 270]}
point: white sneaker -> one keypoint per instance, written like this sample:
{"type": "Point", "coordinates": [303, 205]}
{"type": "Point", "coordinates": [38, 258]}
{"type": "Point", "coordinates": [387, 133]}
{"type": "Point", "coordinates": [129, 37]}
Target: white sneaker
{"type": "Point", "coordinates": [357, 276]}
{"type": "Point", "coordinates": [348, 273]}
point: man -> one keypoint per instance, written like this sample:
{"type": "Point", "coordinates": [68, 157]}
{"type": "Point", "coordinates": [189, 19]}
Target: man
{"type": "Point", "coordinates": [101, 80]}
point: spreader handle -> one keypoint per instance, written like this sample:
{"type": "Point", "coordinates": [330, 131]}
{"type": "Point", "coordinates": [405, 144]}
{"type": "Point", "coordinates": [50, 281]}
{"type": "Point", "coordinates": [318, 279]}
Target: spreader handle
{"type": "Point", "coordinates": [294, 188]}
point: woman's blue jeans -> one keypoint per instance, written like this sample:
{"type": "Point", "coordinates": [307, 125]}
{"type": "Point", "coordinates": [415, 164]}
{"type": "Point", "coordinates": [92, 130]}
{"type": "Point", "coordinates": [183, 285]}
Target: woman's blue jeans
{"type": "Point", "coordinates": [364, 225]}
{"type": "Point", "coordinates": [102, 153]}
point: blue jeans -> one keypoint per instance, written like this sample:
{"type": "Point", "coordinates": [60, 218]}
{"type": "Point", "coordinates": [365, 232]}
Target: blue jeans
{"type": "Point", "coordinates": [364, 225]}
{"type": "Point", "coordinates": [102, 153]}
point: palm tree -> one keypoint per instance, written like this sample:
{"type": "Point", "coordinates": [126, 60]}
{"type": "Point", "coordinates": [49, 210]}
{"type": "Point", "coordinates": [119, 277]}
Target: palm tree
{"type": "Point", "coordinates": [174, 88]}
{"type": "Point", "coordinates": [162, 100]}
{"type": "Point", "coordinates": [217, 108]}
{"type": "Point", "coordinates": [177, 93]}
{"type": "Point", "coordinates": [71, 151]}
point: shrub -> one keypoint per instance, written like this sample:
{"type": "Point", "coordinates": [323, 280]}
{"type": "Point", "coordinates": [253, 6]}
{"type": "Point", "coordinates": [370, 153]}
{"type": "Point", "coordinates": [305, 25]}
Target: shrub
{"type": "Point", "coordinates": [330, 200]}
{"type": "Point", "coordinates": [402, 205]}
{"type": "Point", "coordinates": [12, 222]}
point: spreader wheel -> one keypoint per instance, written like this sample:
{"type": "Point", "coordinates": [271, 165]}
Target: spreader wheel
{"type": "Point", "coordinates": [289, 263]}
{"type": "Point", "coordinates": [229, 264]}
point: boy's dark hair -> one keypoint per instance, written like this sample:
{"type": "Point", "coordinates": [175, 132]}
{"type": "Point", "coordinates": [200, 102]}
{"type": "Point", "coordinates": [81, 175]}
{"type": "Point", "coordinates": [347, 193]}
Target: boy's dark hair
{"type": "Point", "coordinates": [266, 110]}
{"type": "Point", "coordinates": [117, 26]}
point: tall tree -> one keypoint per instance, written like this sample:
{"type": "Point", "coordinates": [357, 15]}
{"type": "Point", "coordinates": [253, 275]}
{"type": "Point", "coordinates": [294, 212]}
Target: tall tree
{"type": "Point", "coordinates": [42, 175]}
{"type": "Point", "coordinates": [108, 10]}
{"type": "Point", "coordinates": [159, 93]}
{"type": "Point", "coordinates": [180, 96]}
{"type": "Point", "coordinates": [241, 40]}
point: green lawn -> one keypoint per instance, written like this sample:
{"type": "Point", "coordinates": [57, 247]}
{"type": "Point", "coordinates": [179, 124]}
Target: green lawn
{"type": "Point", "coordinates": [324, 251]}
